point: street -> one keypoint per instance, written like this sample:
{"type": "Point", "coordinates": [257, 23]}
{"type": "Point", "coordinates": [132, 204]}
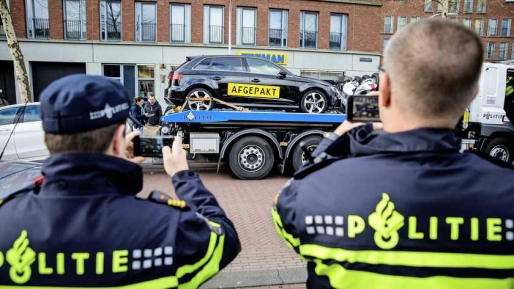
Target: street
{"type": "Point", "coordinates": [248, 205]}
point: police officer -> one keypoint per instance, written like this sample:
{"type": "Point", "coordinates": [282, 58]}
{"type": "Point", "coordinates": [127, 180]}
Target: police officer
{"type": "Point", "coordinates": [401, 207]}
{"type": "Point", "coordinates": [85, 227]}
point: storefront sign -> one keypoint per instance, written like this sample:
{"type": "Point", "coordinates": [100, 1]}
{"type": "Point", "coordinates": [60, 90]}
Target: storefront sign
{"type": "Point", "coordinates": [278, 58]}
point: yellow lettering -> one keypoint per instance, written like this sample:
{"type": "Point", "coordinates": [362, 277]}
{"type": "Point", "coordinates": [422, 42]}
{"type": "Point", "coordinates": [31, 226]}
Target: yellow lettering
{"type": "Point", "coordinates": [119, 261]}
{"type": "Point", "coordinates": [433, 228]}
{"type": "Point", "coordinates": [474, 229]}
{"type": "Point", "coordinates": [1, 259]}
{"type": "Point", "coordinates": [80, 257]}
{"type": "Point", "coordinates": [454, 223]}
{"type": "Point", "coordinates": [60, 263]}
{"type": "Point", "coordinates": [413, 234]}
{"type": "Point", "coordinates": [355, 225]}
{"type": "Point", "coordinates": [99, 263]}
{"type": "Point", "coordinates": [41, 258]}
{"type": "Point", "coordinates": [493, 228]}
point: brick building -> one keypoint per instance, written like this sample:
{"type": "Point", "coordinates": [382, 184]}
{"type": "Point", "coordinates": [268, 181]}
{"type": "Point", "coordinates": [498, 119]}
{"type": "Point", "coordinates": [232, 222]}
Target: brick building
{"type": "Point", "coordinates": [139, 42]}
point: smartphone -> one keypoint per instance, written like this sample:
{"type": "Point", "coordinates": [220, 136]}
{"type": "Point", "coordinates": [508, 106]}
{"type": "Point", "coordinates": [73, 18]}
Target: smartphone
{"type": "Point", "coordinates": [151, 146]}
{"type": "Point", "coordinates": [363, 108]}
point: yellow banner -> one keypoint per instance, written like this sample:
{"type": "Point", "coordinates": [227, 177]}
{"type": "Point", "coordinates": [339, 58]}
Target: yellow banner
{"type": "Point", "coordinates": [249, 90]}
{"type": "Point", "coordinates": [278, 58]}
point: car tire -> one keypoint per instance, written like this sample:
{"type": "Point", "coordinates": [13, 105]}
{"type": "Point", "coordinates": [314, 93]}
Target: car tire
{"type": "Point", "coordinates": [199, 105]}
{"type": "Point", "coordinates": [298, 158]}
{"type": "Point", "coordinates": [501, 148]}
{"type": "Point", "coordinates": [365, 76]}
{"type": "Point", "coordinates": [376, 78]}
{"type": "Point", "coordinates": [314, 101]}
{"type": "Point", "coordinates": [251, 158]}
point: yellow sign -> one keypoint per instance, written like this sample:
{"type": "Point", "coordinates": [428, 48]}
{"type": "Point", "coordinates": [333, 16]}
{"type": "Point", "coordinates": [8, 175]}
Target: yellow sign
{"type": "Point", "coordinates": [278, 58]}
{"type": "Point", "coordinates": [249, 90]}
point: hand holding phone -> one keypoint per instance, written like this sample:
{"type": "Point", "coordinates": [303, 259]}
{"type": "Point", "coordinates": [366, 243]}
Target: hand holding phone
{"type": "Point", "coordinates": [151, 146]}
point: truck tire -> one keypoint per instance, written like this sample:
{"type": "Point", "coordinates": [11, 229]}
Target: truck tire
{"type": "Point", "coordinates": [500, 148]}
{"type": "Point", "coordinates": [298, 157]}
{"type": "Point", "coordinates": [314, 101]}
{"type": "Point", "coordinates": [251, 158]}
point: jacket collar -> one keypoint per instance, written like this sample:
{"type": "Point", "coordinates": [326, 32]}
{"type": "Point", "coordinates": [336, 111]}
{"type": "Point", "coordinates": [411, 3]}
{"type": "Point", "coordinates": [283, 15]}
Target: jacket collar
{"type": "Point", "coordinates": [86, 173]}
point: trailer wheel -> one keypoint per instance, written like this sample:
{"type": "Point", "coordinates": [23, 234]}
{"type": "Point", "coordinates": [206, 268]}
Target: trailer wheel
{"type": "Point", "coordinates": [199, 104]}
{"type": "Point", "coordinates": [314, 101]}
{"type": "Point", "coordinates": [311, 142]}
{"type": "Point", "coordinates": [500, 148]}
{"type": "Point", "coordinates": [251, 158]}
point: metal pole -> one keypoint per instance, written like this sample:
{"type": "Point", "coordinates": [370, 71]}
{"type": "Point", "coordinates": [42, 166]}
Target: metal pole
{"type": "Point", "coordinates": [230, 27]}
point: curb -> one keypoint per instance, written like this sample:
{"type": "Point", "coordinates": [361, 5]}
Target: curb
{"type": "Point", "coordinates": [257, 278]}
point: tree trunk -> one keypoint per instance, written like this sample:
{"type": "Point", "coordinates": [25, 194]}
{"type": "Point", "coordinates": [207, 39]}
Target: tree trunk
{"type": "Point", "coordinates": [17, 56]}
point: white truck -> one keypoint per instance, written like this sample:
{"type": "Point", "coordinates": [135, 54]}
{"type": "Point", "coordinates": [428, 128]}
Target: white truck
{"type": "Point", "coordinates": [487, 124]}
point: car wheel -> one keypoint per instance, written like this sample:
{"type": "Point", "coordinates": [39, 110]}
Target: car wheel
{"type": "Point", "coordinates": [314, 101]}
{"type": "Point", "coordinates": [376, 78]}
{"type": "Point", "coordinates": [500, 148]}
{"type": "Point", "coordinates": [251, 158]}
{"type": "Point", "coordinates": [298, 158]}
{"type": "Point", "coordinates": [199, 104]}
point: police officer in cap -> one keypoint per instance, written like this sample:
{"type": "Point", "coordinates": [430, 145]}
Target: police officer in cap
{"type": "Point", "coordinates": [85, 227]}
{"type": "Point", "coordinates": [396, 204]}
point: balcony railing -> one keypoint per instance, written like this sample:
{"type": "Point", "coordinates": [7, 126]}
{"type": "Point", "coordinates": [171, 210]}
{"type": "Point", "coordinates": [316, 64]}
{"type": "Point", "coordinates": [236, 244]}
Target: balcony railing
{"type": "Point", "coordinates": [75, 29]}
{"type": "Point", "coordinates": [308, 39]}
{"type": "Point", "coordinates": [248, 35]}
{"type": "Point", "coordinates": [336, 40]}
{"type": "Point", "coordinates": [178, 33]}
{"type": "Point", "coordinates": [40, 28]}
{"type": "Point", "coordinates": [148, 33]}
{"type": "Point", "coordinates": [277, 38]}
{"type": "Point", "coordinates": [113, 32]}
{"type": "Point", "coordinates": [215, 34]}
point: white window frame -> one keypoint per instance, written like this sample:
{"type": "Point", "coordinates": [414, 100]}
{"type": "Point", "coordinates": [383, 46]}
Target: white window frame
{"type": "Point", "coordinates": [31, 19]}
{"type": "Point", "coordinates": [343, 27]}
{"type": "Point", "coordinates": [241, 32]}
{"type": "Point", "coordinates": [283, 26]}
{"type": "Point", "coordinates": [451, 4]}
{"type": "Point", "coordinates": [508, 28]}
{"type": "Point", "coordinates": [504, 47]}
{"type": "Point", "coordinates": [414, 18]}
{"type": "Point", "coordinates": [491, 27]}
{"type": "Point", "coordinates": [138, 92]}
{"type": "Point", "coordinates": [113, 64]}
{"type": "Point", "coordinates": [139, 23]}
{"type": "Point", "coordinates": [391, 23]}
{"type": "Point", "coordinates": [105, 22]}
{"type": "Point", "coordinates": [466, 22]}
{"type": "Point", "coordinates": [470, 2]}
{"type": "Point", "coordinates": [302, 27]}
{"type": "Point", "coordinates": [401, 25]}
{"type": "Point", "coordinates": [186, 24]}
{"type": "Point", "coordinates": [207, 9]}
{"type": "Point", "coordinates": [429, 6]}
{"type": "Point", "coordinates": [490, 49]}
{"type": "Point", "coordinates": [384, 44]}
{"type": "Point", "coordinates": [82, 19]}
{"type": "Point", "coordinates": [481, 32]}
{"type": "Point", "coordinates": [481, 8]}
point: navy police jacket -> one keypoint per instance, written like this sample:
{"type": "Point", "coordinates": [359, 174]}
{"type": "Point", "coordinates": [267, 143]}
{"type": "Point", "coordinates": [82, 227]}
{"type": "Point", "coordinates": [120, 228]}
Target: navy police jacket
{"type": "Point", "coordinates": [400, 210]}
{"type": "Point", "coordinates": [85, 228]}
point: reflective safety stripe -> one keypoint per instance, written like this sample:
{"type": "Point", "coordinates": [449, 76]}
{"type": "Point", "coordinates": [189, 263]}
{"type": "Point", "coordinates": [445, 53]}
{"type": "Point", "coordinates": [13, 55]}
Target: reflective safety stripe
{"type": "Point", "coordinates": [412, 259]}
{"type": "Point", "coordinates": [339, 277]}
{"type": "Point", "coordinates": [295, 242]}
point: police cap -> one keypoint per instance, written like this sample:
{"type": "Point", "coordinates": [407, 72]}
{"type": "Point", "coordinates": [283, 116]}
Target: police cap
{"type": "Point", "coordinates": [79, 103]}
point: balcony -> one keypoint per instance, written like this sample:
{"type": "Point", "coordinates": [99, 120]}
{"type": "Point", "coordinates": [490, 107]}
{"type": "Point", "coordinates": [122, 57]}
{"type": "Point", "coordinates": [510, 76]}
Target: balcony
{"type": "Point", "coordinates": [178, 33]}
{"type": "Point", "coordinates": [39, 28]}
{"type": "Point", "coordinates": [248, 35]}
{"type": "Point", "coordinates": [336, 39]}
{"type": "Point", "coordinates": [148, 33]}
{"type": "Point", "coordinates": [75, 29]}
{"type": "Point", "coordinates": [113, 32]}
{"type": "Point", "coordinates": [277, 38]}
{"type": "Point", "coordinates": [215, 34]}
{"type": "Point", "coordinates": [308, 39]}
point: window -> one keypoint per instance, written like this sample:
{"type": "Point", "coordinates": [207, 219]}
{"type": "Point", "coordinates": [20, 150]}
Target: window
{"type": "Point", "coordinates": [213, 24]}
{"type": "Point", "coordinates": [31, 113]}
{"type": "Point", "coordinates": [145, 22]}
{"type": "Point", "coordinates": [180, 23]}
{"type": "Point", "coordinates": [246, 26]}
{"type": "Point", "coordinates": [388, 25]}
{"type": "Point", "coordinates": [113, 71]}
{"type": "Point", "coordinates": [338, 26]}
{"type": "Point", "coordinates": [145, 80]}
{"type": "Point", "coordinates": [402, 21]}
{"type": "Point", "coordinates": [261, 66]}
{"type": "Point", "coordinates": [504, 48]}
{"type": "Point", "coordinates": [454, 6]}
{"type": "Point", "coordinates": [506, 27]}
{"type": "Point", "coordinates": [7, 115]}
{"type": "Point", "coordinates": [440, 6]}
{"type": "Point", "coordinates": [429, 6]}
{"type": "Point", "coordinates": [110, 20]}
{"type": "Point", "coordinates": [204, 64]}
{"type": "Point", "coordinates": [75, 19]}
{"type": "Point", "coordinates": [492, 27]}
{"type": "Point", "coordinates": [466, 22]}
{"type": "Point", "coordinates": [37, 19]}
{"type": "Point", "coordinates": [468, 6]}
{"type": "Point", "coordinates": [385, 44]}
{"type": "Point", "coordinates": [481, 4]}
{"type": "Point", "coordinates": [278, 28]}
{"type": "Point", "coordinates": [490, 46]}
{"type": "Point", "coordinates": [414, 18]}
{"type": "Point", "coordinates": [479, 26]}
{"type": "Point", "coordinates": [227, 63]}
{"type": "Point", "coordinates": [309, 29]}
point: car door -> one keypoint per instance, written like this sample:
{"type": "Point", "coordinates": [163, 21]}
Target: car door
{"type": "Point", "coordinates": [29, 137]}
{"type": "Point", "coordinates": [228, 71]}
{"type": "Point", "coordinates": [7, 116]}
{"type": "Point", "coordinates": [267, 75]}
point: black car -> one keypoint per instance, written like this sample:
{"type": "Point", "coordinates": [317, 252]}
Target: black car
{"type": "Point", "coordinates": [249, 82]}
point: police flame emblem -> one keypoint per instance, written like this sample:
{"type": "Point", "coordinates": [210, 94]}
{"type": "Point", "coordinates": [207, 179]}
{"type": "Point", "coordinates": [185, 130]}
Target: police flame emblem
{"type": "Point", "coordinates": [386, 221]}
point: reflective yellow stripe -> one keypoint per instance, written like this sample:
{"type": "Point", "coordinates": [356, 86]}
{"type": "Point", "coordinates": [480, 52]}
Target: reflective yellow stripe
{"type": "Point", "coordinates": [282, 232]}
{"type": "Point", "coordinates": [342, 278]}
{"type": "Point", "coordinates": [413, 259]}
{"type": "Point", "coordinates": [165, 282]}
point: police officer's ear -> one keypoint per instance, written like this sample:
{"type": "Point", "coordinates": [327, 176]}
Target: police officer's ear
{"type": "Point", "coordinates": [118, 144]}
{"type": "Point", "coordinates": [384, 90]}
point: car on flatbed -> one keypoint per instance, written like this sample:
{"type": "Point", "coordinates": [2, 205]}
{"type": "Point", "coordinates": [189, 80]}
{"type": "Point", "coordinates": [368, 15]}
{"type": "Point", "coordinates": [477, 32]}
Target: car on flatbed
{"type": "Point", "coordinates": [249, 82]}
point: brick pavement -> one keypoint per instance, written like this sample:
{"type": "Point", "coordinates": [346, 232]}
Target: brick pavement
{"type": "Point", "coordinates": [248, 205]}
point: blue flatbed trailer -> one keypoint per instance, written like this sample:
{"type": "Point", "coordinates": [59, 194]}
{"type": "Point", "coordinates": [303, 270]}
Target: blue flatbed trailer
{"type": "Point", "coordinates": [253, 142]}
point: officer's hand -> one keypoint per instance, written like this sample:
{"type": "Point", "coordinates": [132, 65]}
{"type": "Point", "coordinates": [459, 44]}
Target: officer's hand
{"type": "Point", "coordinates": [174, 158]}
{"type": "Point", "coordinates": [347, 126]}
{"type": "Point", "coordinates": [129, 150]}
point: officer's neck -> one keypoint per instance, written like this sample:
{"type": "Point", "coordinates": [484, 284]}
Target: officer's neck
{"type": "Point", "coordinates": [403, 124]}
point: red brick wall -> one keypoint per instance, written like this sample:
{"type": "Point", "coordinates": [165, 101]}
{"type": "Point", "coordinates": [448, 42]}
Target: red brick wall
{"type": "Point", "coordinates": [17, 10]}
{"type": "Point", "coordinates": [127, 17]}
{"type": "Point", "coordinates": [93, 16]}
{"type": "Point", "coordinates": [56, 19]}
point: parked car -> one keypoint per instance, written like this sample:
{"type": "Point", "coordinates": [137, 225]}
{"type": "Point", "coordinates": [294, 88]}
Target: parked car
{"type": "Point", "coordinates": [249, 82]}
{"type": "Point", "coordinates": [27, 140]}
